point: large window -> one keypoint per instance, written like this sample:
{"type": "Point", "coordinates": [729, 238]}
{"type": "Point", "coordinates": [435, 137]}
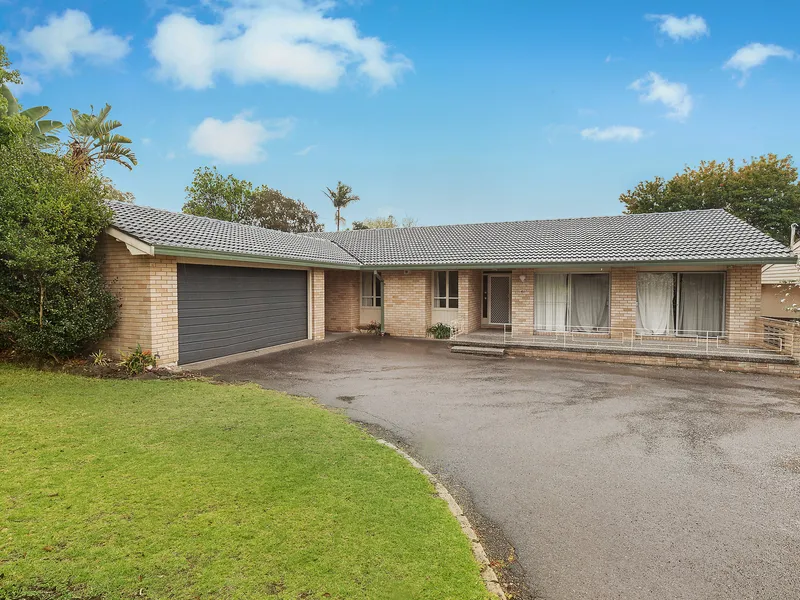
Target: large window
{"type": "Point", "coordinates": [686, 304]}
{"type": "Point", "coordinates": [445, 289]}
{"type": "Point", "coordinates": [371, 290]}
{"type": "Point", "coordinates": [571, 302]}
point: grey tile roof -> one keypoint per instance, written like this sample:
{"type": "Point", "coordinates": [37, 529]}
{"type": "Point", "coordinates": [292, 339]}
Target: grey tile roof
{"type": "Point", "coordinates": [158, 227]}
{"type": "Point", "coordinates": [703, 235]}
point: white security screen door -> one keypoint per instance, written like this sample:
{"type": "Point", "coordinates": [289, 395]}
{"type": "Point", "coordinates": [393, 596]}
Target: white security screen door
{"type": "Point", "coordinates": [499, 299]}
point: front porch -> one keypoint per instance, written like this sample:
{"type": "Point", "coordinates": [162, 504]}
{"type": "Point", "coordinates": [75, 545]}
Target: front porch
{"type": "Point", "coordinates": [772, 342]}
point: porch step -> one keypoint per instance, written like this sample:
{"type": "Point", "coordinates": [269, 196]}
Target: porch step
{"type": "Point", "coordinates": [478, 351]}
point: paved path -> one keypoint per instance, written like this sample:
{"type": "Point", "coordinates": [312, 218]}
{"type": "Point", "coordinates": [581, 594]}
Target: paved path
{"type": "Point", "coordinates": [611, 481]}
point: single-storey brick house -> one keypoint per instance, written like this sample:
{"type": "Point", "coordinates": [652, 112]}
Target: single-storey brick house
{"type": "Point", "coordinates": [193, 288]}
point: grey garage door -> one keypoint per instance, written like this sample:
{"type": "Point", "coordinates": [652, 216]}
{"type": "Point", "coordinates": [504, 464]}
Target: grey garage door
{"type": "Point", "coordinates": [225, 310]}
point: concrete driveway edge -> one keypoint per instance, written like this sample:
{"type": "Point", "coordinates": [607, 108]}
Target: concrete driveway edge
{"type": "Point", "coordinates": [487, 572]}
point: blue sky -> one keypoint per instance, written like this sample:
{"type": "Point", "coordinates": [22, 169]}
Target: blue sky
{"type": "Point", "coordinates": [441, 111]}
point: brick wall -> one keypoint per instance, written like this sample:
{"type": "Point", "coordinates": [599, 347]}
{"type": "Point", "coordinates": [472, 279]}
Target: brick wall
{"type": "Point", "coordinates": [317, 304]}
{"type": "Point", "coordinates": [743, 301]}
{"type": "Point", "coordinates": [470, 300]}
{"type": "Point", "coordinates": [342, 300]}
{"type": "Point", "coordinates": [407, 302]}
{"type": "Point", "coordinates": [163, 287]}
{"type": "Point", "coordinates": [522, 302]}
{"type": "Point", "coordinates": [127, 277]}
{"type": "Point", "coordinates": [623, 300]}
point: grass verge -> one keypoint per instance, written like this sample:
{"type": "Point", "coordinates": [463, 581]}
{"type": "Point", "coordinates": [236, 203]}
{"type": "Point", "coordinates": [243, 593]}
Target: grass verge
{"type": "Point", "coordinates": [185, 489]}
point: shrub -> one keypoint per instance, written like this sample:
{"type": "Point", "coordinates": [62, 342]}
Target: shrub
{"type": "Point", "coordinates": [374, 327]}
{"type": "Point", "coordinates": [53, 301]}
{"type": "Point", "coordinates": [440, 331]}
{"type": "Point", "coordinates": [138, 361]}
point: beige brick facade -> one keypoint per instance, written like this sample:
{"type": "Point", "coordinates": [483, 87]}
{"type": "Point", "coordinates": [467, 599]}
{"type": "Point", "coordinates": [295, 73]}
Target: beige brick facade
{"type": "Point", "coordinates": [522, 302]}
{"type": "Point", "coordinates": [342, 300]}
{"type": "Point", "coordinates": [147, 290]}
{"type": "Point", "coordinates": [622, 309]}
{"type": "Point", "coordinates": [408, 302]}
{"type": "Point", "coordinates": [470, 301]}
{"type": "Point", "coordinates": [743, 301]}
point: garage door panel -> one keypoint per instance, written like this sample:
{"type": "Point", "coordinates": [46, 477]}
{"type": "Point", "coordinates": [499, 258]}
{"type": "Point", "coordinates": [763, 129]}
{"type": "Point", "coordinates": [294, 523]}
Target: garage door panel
{"type": "Point", "coordinates": [225, 310]}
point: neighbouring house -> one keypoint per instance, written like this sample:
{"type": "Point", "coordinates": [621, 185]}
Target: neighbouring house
{"type": "Point", "coordinates": [645, 287]}
{"type": "Point", "coordinates": [780, 288]}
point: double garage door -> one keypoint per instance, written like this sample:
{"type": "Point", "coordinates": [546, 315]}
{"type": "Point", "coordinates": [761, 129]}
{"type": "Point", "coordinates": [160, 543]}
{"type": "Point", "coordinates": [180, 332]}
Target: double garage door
{"type": "Point", "coordinates": [225, 310]}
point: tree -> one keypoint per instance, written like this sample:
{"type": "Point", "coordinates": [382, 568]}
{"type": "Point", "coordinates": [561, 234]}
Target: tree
{"type": "Point", "coordinates": [53, 300]}
{"type": "Point", "coordinates": [341, 197]}
{"type": "Point", "coordinates": [271, 209]}
{"type": "Point", "coordinates": [42, 129]}
{"type": "Point", "coordinates": [384, 223]}
{"type": "Point", "coordinates": [763, 192]}
{"type": "Point", "coordinates": [214, 195]}
{"type": "Point", "coordinates": [111, 192]}
{"type": "Point", "coordinates": [92, 142]}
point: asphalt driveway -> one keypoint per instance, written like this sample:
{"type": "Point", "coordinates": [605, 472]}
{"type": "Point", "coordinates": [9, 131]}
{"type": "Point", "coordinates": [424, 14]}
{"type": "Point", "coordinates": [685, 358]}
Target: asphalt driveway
{"type": "Point", "coordinates": [610, 481]}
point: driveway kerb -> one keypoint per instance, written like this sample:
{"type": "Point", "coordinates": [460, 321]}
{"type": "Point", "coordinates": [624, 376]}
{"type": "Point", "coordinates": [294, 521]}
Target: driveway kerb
{"type": "Point", "coordinates": [487, 572]}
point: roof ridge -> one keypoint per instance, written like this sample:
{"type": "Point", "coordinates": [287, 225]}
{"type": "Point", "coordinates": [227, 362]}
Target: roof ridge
{"type": "Point", "coordinates": [551, 220]}
{"type": "Point", "coordinates": [236, 223]}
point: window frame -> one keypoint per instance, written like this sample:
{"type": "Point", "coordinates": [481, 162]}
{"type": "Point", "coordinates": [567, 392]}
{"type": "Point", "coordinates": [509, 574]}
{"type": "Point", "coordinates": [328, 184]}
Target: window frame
{"type": "Point", "coordinates": [376, 297]}
{"type": "Point", "coordinates": [568, 327]}
{"type": "Point", "coordinates": [676, 303]}
{"type": "Point", "coordinates": [448, 298]}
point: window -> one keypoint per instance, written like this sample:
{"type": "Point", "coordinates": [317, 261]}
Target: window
{"type": "Point", "coordinates": [686, 304]}
{"type": "Point", "coordinates": [371, 290]}
{"type": "Point", "coordinates": [445, 289]}
{"type": "Point", "coordinates": [571, 302]}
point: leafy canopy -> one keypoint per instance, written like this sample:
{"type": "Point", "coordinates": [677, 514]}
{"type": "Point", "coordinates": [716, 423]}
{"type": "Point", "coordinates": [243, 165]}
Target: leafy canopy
{"type": "Point", "coordinates": [92, 141]}
{"type": "Point", "coordinates": [53, 301]}
{"type": "Point", "coordinates": [763, 192]}
{"type": "Point", "coordinates": [229, 198]}
{"type": "Point", "coordinates": [384, 223]}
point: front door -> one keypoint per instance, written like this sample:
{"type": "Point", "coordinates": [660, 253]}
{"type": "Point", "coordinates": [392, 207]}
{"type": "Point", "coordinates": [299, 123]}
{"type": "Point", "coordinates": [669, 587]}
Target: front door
{"type": "Point", "coordinates": [499, 297]}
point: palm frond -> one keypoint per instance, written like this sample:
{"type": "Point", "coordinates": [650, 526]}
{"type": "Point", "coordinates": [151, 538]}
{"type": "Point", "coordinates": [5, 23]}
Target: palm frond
{"type": "Point", "coordinates": [13, 105]}
{"type": "Point", "coordinates": [36, 112]}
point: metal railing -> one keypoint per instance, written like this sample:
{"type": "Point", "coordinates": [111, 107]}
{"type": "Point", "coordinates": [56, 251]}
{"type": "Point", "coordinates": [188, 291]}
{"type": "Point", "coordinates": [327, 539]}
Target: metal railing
{"type": "Point", "coordinates": [765, 340]}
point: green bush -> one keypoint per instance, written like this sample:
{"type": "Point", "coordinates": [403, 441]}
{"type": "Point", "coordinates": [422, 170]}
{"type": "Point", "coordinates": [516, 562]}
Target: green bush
{"type": "Point", "coordinates": [53, 301]}
{"type": "Point", "coordinates": [138, 360]}
{"type": "Point", "coordinates": [440, 331]}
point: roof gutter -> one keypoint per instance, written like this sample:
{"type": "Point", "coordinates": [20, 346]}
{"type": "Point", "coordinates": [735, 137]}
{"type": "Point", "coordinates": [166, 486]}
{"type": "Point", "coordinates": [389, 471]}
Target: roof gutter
{"type": "Point", "coordinates": [256, 258]}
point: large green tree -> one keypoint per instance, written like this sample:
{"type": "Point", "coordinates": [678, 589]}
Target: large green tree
{"type": "Point", "coordinates": [763, 192]}
{"type": "Point", "coordinates": [341, 197]}
{"type": "Point", "coordinates": [53, 301]}
{"type": "Point", "coordinates": [384, 223]}
{"type": "Point", "coordinates": [271, 209]}
{"type": "Point", "coordinates": [228, 198]}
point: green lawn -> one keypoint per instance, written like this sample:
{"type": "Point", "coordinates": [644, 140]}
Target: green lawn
{"type": "Point", "coordinates": [185, 489]}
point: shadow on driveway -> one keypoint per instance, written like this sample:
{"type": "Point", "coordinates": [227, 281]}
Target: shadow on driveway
{"type": "Point", "coordinates": [611, 481]}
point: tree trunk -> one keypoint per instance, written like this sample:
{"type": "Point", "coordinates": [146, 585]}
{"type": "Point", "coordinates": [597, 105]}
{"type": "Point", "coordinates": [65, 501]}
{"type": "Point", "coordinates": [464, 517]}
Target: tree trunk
{"type": "Point", "coordinates": [338, 219]}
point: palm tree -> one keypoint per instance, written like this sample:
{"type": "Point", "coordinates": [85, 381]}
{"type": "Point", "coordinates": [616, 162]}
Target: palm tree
{"type": "Point", "coordinates": [43, 129]}
{"type": "Point", "coordinates": [341, 197]}
{"type": "Point", "coordinates": [91, 141]}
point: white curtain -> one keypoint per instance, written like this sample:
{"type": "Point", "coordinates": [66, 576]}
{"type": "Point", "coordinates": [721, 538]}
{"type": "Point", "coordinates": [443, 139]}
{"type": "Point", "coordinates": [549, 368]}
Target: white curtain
{"type": "Point", "coordinates": [654, 307]}
{"type": "Point", "coordinates": [550, 302]}
{"type": "Point", "coordinates": [589, 302]}
{"type": "Point", "coordinates": [700, 305]}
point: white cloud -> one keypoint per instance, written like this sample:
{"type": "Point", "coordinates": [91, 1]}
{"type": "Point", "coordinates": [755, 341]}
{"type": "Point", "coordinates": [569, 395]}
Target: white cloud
{"type": "Point", "coordinates": [285, 41]}
{"type": "Point", "coordinates": [69, 36]}
{"type": "Point", "coordinates": [305, 151]}
{"type": "Point", "coordinates": [29, 85]}
{"type": "Point", "coordinates": [675, 96]}
{"type": "Point", "coordinates": [238, 141]}
{"type": "Point", "coordinates": [681, 28]}
{"type": "Point", "coordinates": [615, 133]}
{"type": "Point", "coordinates": [755, 55]}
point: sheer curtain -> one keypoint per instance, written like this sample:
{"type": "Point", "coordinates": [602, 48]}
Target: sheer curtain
{"type": "Point", "coordinates": [700, 303]}
{"type": "Point", "coordinates": [654, 308]}
{"type": "Point", "coordinates": [589, 302]}
{"type": "Point", "coordinates": [550, 302]}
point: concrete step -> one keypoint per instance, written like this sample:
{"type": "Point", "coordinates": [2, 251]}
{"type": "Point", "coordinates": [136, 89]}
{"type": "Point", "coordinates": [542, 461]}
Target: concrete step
{"type": "Point", "coordinates": [478, 351]}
